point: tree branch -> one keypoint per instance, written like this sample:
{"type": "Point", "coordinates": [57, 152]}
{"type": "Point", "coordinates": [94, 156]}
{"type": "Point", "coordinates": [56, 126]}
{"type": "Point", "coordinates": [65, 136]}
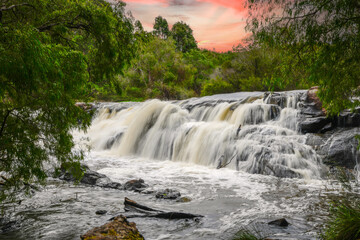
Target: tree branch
{"type": "Point", "coordinates": [4, 121]}
{"type": "Point", "coordinates": [15, 6]}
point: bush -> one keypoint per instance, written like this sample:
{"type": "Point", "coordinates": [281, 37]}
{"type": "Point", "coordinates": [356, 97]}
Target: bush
{"type": "Point", "coordinates": [216, 86]}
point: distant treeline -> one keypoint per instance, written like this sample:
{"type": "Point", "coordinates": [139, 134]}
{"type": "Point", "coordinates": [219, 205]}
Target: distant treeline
{"type": "Point", "coordinates": [169, 65]}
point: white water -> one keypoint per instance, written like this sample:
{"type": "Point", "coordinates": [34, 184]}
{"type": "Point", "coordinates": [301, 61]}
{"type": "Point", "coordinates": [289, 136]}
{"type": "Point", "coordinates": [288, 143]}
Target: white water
{"type": "Point", "coordinates": [179, 145]}
{"type": "Point", "coordinates": [268, 142]}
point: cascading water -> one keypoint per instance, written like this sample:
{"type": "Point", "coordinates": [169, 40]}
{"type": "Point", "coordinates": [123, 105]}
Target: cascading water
{"type": "Point", "coordinates": [206, 132]}
{"type": "Point", "coordinates": [179, 145]}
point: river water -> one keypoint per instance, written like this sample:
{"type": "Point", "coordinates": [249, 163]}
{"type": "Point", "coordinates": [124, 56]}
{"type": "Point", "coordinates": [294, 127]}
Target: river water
{"type": "Point", "coordinates": [234, 177]}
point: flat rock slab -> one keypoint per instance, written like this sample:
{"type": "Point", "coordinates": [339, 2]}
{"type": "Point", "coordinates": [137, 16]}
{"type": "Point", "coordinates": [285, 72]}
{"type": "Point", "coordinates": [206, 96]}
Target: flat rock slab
{"type": "Point", "coordinates": [117, 229]}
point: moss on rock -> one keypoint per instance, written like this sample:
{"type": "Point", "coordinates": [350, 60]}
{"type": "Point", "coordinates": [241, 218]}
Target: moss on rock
{"type": "Point", "coordinates": [117, 229]}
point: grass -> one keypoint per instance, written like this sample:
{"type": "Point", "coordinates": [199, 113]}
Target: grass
{"type": "Point", "coordinates": [344, 212]}
{"type": "Point", "coordinates": [246, 234]}
{"type": "Point", "coordinates": [344, 221]}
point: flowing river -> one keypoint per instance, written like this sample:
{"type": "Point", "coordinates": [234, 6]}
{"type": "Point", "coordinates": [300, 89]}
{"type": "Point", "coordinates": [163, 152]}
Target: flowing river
{"type": "Point", "coordinates": [240, 159]}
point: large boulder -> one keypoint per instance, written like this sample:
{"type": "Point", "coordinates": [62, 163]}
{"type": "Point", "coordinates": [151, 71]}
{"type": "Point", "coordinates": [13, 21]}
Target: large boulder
{"type": "Point", "coordinates": [337, 147]}
{"type": "Point", "coordinates": [117, 229]}
{"type": "Point", "coordinates": [340, 148]}
{"type": "Point", "coordinates": [313, 124]}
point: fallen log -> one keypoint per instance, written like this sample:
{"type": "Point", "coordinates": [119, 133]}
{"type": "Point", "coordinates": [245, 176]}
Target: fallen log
{"type": "Point", "coordinates": [154, 213]}
{"type": "Point", "coordinates": [175, 215]}
{"type": "Point", "coordinates": [131, 204]}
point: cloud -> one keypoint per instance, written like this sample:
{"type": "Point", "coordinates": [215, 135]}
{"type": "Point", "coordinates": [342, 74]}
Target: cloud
{"type": "Point", "coordinates": [181, 17]}
{"type": "Point", "coordinates": [148, 2]}
{"type": "Point", "coordinates": [182, 2]}
{"type": "Point", "coordinates": [238, 5]}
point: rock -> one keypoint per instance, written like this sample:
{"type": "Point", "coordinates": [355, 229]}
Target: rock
{"type": "Point", "coordinates": [101, 212]}
{"type": "Point", "coordinates": [280, 171]}
{"type": "Point", "coordinates": [313, 98]}
{"type": "Point", "coordinates": [313, 125]}
{"type": "Point", "coordinates": [276, 99]}
{"type": "Point", "coordinates": [7, 225]}
{"type": "Point", "coordinates": [313, 117]}
{"type": "Point", "coordinates": [340, 148]}
{"type": "Point", "coordinates": [117, 229]}
{"type": "Point", "coordinates": [184, 199]}
{"type": "Point", "coordinates": [135, 185]}
{"type": "Point", "coordinates": [113, 185]}
{"type": "Point", "coordinates": [348, 119]}
{"type": "Point", "coordinates": [279, 222]}
{"type": "Point", "coordinates": [168, 194]}
{"type": "Point", "coordinates": [92, 178]}
{"type": "Point", "coordinates": [113, 140]}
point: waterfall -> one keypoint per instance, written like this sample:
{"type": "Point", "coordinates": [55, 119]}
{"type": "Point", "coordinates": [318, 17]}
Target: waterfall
{"type": "Point", "coordinates": [206, 131]}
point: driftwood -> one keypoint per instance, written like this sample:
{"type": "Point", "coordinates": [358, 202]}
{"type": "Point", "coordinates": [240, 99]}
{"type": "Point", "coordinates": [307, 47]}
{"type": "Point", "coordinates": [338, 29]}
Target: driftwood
{"type": "Point", "coordinates": [145, 211]}
{"type": "Point", "coordinates": [132, 205]}
{"type": "Point", "coordinates": [222, 163]}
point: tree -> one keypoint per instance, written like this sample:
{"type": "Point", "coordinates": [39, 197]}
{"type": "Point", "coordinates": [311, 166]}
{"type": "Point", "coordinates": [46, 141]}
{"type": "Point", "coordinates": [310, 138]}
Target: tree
{"type": "Point", "coordinates": [320, 37]}
{"type": "Point", "coordinates": [138, 27]}
{"type": "Point", "coordinates": [183, 36]}
{"type": "Point", "coordinates": [158, 71]}
{"type": "Point", "coordinates": [51, 54]}
{"type": "Point", "coordinates": [161, 28]}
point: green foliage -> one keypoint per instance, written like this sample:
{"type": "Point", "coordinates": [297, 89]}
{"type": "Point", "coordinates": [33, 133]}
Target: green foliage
{"type": "Point", "coordinates": [161, 28]}
{"type": "Point", "coordinates": [216, 86]}
{"type": "Point", "coordinates": [319, 42]}
{"type": "Point", "coordinates": [52, 54]}
{"type": "Point", "coordinates": [159, 71]}
{"type": "Point", "coordinates": [183, 36]}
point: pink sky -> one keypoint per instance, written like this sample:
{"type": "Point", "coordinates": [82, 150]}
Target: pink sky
{"type": "Point", "coordinates": [216, 24]}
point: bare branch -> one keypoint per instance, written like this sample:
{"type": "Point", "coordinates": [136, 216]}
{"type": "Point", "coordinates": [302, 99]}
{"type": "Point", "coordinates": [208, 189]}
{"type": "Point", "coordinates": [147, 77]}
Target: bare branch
{"type": "Point", "coordinates": [4, 121]}
{"type": "Point", "coordinates": [15, 6]}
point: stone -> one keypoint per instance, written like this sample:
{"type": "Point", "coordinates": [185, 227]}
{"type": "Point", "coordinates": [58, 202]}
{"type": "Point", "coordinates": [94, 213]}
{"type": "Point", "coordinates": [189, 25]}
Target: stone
{"type": "Point", "coordinates": [92, 178]}
{"type": "Point", "coordinates": [313, 125]}
{"type": "Point", "coordinates": [101, 212]}
{"type": "Point", "coordinates": [135, 185]}
{"type": "Point", "coordinates": [279, 222]}
{"type": "Point", "coordinates": [312, 97]}
{"type": "Point", "coordinates": [109, 143]}
{"type": "Point", "coordinates": [184, 199]}
{"type": "Point", "coordinates": [7, 225]}
{"type": "Point", "coordinates": [117, 229]}
{"type": "Point", "coordinates": [340, 148]}
{"type": "Point", "coordinates": [348, 119]}
{"type": "Point", "coordinates": [168, 194]}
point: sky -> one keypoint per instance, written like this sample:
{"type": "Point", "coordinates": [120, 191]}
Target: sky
{"type": "Point", "coordinates": [216, 24]}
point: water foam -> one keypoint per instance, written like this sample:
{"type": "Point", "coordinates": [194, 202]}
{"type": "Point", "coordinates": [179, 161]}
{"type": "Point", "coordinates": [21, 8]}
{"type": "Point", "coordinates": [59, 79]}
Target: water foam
{"type": "Point", "coordinates": [208, 134]}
